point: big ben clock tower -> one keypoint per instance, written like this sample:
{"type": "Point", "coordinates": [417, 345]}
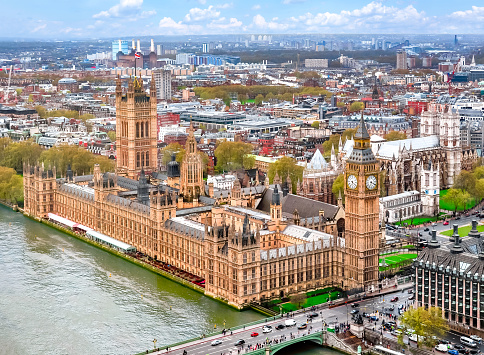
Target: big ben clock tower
{"type": "Point", "coordinates": [362, 232]}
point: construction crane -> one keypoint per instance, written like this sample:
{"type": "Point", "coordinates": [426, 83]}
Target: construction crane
{"type": "Point", "coordinates": [8, 85]}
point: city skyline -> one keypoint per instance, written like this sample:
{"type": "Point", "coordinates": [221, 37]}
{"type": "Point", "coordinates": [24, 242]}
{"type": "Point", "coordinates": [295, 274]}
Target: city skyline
{"type": "Point", "coordinates": [91, 19]}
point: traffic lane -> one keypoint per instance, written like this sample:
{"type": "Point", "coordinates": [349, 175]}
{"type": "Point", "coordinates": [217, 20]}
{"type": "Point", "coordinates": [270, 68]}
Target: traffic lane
{"type": "Point", "coordinates": [228, 340]}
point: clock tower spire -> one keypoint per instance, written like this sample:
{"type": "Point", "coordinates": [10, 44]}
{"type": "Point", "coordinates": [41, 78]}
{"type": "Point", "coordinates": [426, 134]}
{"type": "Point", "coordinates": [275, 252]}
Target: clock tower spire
{"type": "Point", "coordinates": [362, 232]}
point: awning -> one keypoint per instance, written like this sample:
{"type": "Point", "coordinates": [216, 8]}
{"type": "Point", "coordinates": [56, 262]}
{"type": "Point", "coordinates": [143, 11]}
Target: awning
{"type": "Point", "coordinates": [61, 220]}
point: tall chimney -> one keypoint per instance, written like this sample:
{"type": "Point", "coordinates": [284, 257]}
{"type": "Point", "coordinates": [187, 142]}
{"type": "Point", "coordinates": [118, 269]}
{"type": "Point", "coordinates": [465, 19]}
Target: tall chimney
{"type": "Point", "coordinates": [139, 46]}
{"type": "Point", "coordinates": [133, 45]}
{"type": "Point", "coordinates": [152, 49]}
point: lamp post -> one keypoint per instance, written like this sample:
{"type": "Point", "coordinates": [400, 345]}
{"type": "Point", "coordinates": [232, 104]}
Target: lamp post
{"type": "Point", "coordinates": [154, 343]}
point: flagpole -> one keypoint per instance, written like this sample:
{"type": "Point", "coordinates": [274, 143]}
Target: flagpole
{"type": "Point", "coordinates": [135, 65]}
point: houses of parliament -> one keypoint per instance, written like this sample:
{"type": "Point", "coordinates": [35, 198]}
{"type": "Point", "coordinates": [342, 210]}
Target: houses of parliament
{"type": "Point", "coordinates": [247, 251]}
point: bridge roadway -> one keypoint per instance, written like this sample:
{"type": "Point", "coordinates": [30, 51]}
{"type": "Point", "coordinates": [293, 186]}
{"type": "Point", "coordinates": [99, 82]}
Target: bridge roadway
{"type": "Point", "coordinates": [331, 316]}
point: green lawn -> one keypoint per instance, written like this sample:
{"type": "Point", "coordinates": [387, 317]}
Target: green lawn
{"type": "Point", "coordinates": [410, 246]}
{"type": "Point", "coordinates": [463, 231]}
{"type": "Point", "coordinates": [450, 207]}
{"type": "Point", "coordinates": [418, 220]}
{"type": "Point", "coordinates": [396, 259]}
{"type": "Point", "coordinates": [310, 301]}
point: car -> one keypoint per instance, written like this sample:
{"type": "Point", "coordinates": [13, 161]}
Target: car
{"type": "Point", "coordinates": [391, 308]}
{"type": "Point", "coordinates": [397, 332]}
{"type": "Point", "coordinates": [411, 297]}
{"type": "Point", "coordinates": [446, 223]}
{"type": "Point", "coordinates": [476, 338]}
{"type": "Point", "coordinates": [464, 351]}
{"type": "Point", "coordinates": [453, 352]}
{"type": "Point", "coordinates": [280, 326]}
{"type": "Point", "coordinates": [373, 318]}
{"type": "Point", "coordinates": [313, 315]}
{"type": "Point", "coordinates": [302, 326]}
{"type": "Point", "coordinates": [216, 342]}
{"type": "Point", "coordinates": [426, 230]}
{"type": "Point", "coordinates": [290, 322]}
{"type": "Point", "coordinates": [442, 348]}
{"type": "Point", "coordinates": [394, 299]}
{"type": "Point", "coordinates": [443, 341]}
{"type": "Point", "coordinates": [266, 330]}
{"type": "Point", "coordinates": [239, 342]}
{"type": "Point", "coordinates": [459, 347]}
{"type": "Point", "coordinates": [355, 311]}
{"type": "Point", "coordinates": [254, 334]}
{"type": "Point", "coordinates": [457, 218]}
{"type": "Point", "coordinates": [354, 305]}
{"type": "Point", "coordinates": [467, 214]}
{"type": "Point", "coordinates": [410, 290]}
{"type": "Point", "coordinates": [474, 351]}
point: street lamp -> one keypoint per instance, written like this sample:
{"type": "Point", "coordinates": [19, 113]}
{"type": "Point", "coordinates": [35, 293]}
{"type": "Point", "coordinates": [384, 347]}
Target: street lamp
{"type": "Point", "coordinates": [154, 343]}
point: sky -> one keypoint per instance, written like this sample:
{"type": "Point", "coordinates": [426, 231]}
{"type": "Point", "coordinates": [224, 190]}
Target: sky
{"type": "Point", "coordinates": [63, 19]}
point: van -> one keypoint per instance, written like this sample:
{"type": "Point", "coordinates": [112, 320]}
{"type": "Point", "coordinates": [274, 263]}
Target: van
{"type": "Point", "coordinates": [442, 348]}
{"type": "Point", "coordinates": [290, 322]}
{"type": "Point", "coordinates": [468, 341]}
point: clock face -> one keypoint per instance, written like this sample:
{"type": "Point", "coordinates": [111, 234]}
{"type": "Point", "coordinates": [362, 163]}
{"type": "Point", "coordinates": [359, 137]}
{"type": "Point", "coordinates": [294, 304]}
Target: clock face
{"type": "Point", "coordinates": [371, 182]}
{"type": "Point", "coordinates": [352, 182]}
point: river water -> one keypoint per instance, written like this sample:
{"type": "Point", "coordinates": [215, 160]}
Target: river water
{"type": "Point", "coordinates": [59, 295]}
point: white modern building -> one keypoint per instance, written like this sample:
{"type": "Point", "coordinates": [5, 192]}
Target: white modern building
{"type": "Point", "coordinates": [223, 182]}
{"type": "Point", "coordinates": [163, 84]}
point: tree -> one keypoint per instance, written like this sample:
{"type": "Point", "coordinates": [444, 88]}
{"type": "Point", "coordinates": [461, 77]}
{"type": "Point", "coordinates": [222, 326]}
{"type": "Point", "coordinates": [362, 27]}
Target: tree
{"type": "Point", "coordinates": [395, 136]}
{"type": "Point", "coordinates": [426, 324]}
{"type": "Point", "coordinates": [248, 162]}
{"type": "Point", "coordinates": [357, 106]}
{"type": "Point", "coordinates": [466, 181]}
{"type": "Point", "coordinates": [230, 155]}
{"type": "Point", "coordinates": [332, 141]}
{"type": "Point", "coordinates": [479, 189]}
{"type": "Point", "coordinates": [348, 133]}
{"type": "Point", "coordinates": [456, 198]}
{"type": "Point", "coordinates": [258, 99]}
{"type": "Point", "coordinates": [285, 167]}
{"type": "Point", "coordinates": [339, 186]}
{"type": "Point", "coordinates": [315, 124]}
{"type": "Point", "coordinates": [298, 299]}
{"type": "Point", "coordinates": [479, 172]}
{"type": "Point", "coordinates": [112, 135]}
{"type": "Point", "coordinates": [242, 98]}
{"type": "Point", "coordinates": [18, 153]}
{"type": "Point", "coordinates": [11, 185]}
{"type": "Point", "coordinates": [169, 150]}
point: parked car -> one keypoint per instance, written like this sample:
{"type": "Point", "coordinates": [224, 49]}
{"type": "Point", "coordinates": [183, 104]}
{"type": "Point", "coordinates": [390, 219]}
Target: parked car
{"type": "Point", "coordinates": [453, 352]}
{"type": "Point", "coordinates": [254, 334]}
{"type": "Point", "coordinates": [458, 347]}
{"type": "Point", "coordinates": [239, 342]}
{"type": "Point", "coordinates": [474, 351]}
{"type": "Point", "coordinates": [216, 342]}
{"type": "Point", "coordinates": [442, 348]}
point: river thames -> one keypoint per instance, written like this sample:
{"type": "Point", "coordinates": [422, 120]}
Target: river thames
{"type": "Point", "coordinates": [59, 295]}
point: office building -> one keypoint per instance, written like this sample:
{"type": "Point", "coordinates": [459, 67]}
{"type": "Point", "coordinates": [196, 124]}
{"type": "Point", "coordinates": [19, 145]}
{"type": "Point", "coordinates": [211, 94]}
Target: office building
{"type": "Point", "coordinates": [163, 84]}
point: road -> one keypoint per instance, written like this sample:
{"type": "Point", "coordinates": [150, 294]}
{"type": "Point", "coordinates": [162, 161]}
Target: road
{"type": "Point", "coordinates": [336, 315]}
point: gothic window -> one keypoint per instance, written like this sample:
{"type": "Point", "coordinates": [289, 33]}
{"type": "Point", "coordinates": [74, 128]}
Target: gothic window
{"type": "Point", "coordinates": [146, 129]}
{"type": "Point", "coordinates": [142, 159]}
{"type": "Point", "coordinates": [137, 130]}
{"type": "Point", "coordinates": [244, 258]}
{"type": "Point", "coordinates": [253, 256]}
{"type": "Point", "coordinates": [142, 130]}
{"type": "Point", "coordinates": [147, 158]}
{"type": "Point", "coordinates": [427, 180]}
{"type": "Point", "coordinates": [137, 160]}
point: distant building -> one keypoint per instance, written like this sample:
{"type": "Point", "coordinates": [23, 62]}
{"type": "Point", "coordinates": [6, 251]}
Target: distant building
{"type": "Point", "coordinates": [399, 207]}
{"type": "Point", "coordinates": [401, 60]}
{"type": "Point", "coordinates": [205, 48]}
{"type": "Point", "coordinates": [119, 46]}
{"type": "Point", "coordinates": [163, 84]}
{"type": "Point", "coordinates": [68, 84]}
{"type": "Point", "coordinates": [316, 63]}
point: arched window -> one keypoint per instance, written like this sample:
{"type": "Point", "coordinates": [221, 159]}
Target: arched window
{"type": "Point", "coordinates": [137, 130]}
{"type": "Point", "coordinates": [137, 160]}
{"type": "Point", "coordinates": [142, 159]}
{"type": "Point", "coordinates": [147, 158]}
{"type": "Point", "coordinates": [142, 130]}
{"type": "Point", "coordinates": [147, 129]}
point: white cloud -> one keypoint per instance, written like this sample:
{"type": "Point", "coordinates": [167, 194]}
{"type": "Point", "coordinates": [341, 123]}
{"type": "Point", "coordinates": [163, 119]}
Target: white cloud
{"type": "Point", "coordinates": [287, 2]}
{"type": "Point", "coordinates": [124, 8]}
{"type": "Point", "coordinates": [256, 7]}
{"type": "Point", "coordinates": [222, 25]}
{"type": "Point", "coordinates": [39, 27]}
{"type": "Point", "coordinates": [203, 2]}
{"type": "Point", "coordinates": [170, 26]}
{"type": "Point", "coordinates": [197, 14]}
{"type": "Point", "coordinates": [260, 22]}
{"type": "Point", "coordinates": [148, 13]}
